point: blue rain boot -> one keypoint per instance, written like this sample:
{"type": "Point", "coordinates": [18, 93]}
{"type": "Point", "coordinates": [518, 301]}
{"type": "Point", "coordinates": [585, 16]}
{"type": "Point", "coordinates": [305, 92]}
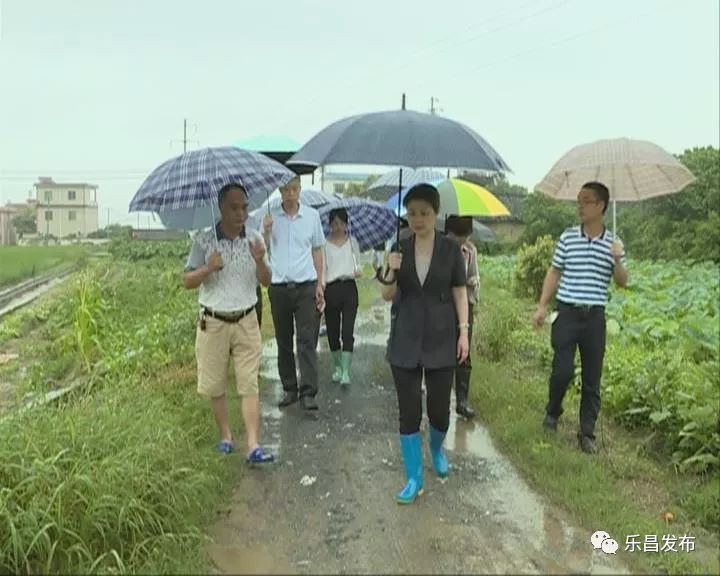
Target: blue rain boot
{"type": "Point", "coordinates": [411, 447]}
{"type": "Point", "coordinates": [439, 460]}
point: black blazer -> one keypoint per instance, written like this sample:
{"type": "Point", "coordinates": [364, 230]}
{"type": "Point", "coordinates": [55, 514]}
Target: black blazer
{"type": "Point", "coordinates": [425, 330]}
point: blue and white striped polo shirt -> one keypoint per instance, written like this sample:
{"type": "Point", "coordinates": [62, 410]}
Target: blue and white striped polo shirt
{"type": "Point", "coordinates": [587, 266]}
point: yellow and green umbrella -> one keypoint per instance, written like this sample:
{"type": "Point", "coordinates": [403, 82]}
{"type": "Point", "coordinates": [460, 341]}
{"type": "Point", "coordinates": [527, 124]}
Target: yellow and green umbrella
{"type": "Point", "coordinates": [462, 198]}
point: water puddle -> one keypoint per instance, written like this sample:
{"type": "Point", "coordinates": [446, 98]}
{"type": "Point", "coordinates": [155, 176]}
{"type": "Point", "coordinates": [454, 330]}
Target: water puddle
{"type": "Point", "coordinates": [247, 560]}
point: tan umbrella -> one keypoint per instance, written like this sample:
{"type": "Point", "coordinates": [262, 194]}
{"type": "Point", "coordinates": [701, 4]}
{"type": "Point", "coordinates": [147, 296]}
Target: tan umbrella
{"type": "Point", "coordinates": [631, 169]}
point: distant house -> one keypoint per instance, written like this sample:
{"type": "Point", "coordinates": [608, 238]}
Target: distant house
{"type": "Point", "coordinates": [336, 182]}
{"type": "Point", "coordinates": [7, 231]}
{"type": "Point", "coordinates": [66, 209]}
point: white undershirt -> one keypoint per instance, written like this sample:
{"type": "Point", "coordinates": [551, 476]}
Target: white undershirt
{"type": "Point", "coordinates": [340, 262]}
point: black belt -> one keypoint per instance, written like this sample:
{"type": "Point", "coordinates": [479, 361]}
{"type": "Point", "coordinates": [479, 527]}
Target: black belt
{"type": "Point", "coordinates": [231, 318]}
{"type": "Point", "coordinates": [581, 307]}
{"type": "Point", "coordinates": [293, 285]}
{"type": "Point", "coordinates": [339, 280]}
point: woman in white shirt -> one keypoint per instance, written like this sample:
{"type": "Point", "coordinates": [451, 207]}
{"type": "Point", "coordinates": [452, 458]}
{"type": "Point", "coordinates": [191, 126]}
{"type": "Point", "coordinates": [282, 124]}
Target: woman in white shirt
{"type": "Point", "coordinates": [342, 254]}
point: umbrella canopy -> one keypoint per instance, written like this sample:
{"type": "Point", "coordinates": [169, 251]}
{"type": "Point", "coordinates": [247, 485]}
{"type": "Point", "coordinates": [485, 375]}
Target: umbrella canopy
{"type": "Point", "coordinates": [369, 222]}
{"type": "Point", "coordinates": [399, 138]}
{"type": "Point", "coordinates": [308, 197]}
{"type": "Point", "coordinates": [632, 170]}
{"type": "Point", "coordinates": [387, 185]}
{"type": "Point", "coordinates": [184, 189]}
{"type": "Point", "coordinates": [461, 198]}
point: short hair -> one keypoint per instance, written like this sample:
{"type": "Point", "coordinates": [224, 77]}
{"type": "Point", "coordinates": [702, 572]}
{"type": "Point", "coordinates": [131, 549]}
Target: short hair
{"type": "Point", "coordinates": [425, 192]}
{"type": "Point", "coordinates": [601, 191]}
{"type": "Point", "coordinates": [225, 189]}
{"type": "Point", "coordinates": [338, 213]}
{"type": "Point", "coordinates": [459, 225]}
{"type": "Point", "coordinates": [293, 179]}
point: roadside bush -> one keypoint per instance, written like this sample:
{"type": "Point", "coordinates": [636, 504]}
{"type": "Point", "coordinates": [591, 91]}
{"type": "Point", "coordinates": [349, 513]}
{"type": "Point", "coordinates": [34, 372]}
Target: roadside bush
{"type": "Point", "coordinates": [533, 261]}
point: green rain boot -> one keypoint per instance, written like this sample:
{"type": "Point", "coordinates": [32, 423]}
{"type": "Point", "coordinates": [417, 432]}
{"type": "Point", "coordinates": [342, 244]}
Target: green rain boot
{"type": "Point", "coordinates": [337, 364]}
{"type": "Point", "coordinates": [346, 363]}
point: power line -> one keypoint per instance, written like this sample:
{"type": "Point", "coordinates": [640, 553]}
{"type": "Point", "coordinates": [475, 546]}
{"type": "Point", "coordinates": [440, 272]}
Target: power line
{"type": "Point", "coordinates": [538, 48]}
{"type": "Point", "coordinates": [373, 76]}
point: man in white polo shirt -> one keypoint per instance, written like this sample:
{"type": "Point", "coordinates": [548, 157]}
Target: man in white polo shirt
{"type": "Point", "coordinates": [226, 263]}
{"type": "Point", "coordinates": [294, 234]}
{"type": "Point", "coordinates": [586, 258]}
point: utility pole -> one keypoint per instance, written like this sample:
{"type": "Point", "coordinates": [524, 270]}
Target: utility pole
{"type": "Point", "coordinates": [433, 102]}
{"type": "Point", "coordinates": [184, 135]}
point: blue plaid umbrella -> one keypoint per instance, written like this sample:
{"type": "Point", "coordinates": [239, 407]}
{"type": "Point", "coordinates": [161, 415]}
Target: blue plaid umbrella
{"type": "Point", "coordinates": [369, 222]}
{"type": "Point", "coordinates": [183, 190]}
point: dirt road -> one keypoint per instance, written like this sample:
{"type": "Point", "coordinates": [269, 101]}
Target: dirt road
{"type": "Point", "coordinates": [327, 506]}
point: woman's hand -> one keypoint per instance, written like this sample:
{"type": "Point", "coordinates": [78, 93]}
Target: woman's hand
{"type": "Point", "coordinates": [463, 347]}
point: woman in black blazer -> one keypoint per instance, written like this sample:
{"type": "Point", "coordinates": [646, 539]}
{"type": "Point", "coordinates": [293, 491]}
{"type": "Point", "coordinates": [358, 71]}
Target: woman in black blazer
{"type": "Point", "coordinates": [429, 334]}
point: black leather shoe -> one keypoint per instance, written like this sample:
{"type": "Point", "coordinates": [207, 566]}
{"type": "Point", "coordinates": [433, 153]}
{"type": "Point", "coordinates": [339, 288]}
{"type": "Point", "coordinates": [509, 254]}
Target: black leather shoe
{"type": "Point", "coordinates": [587, 444]}
{"type": "Point", "coordinates": [288, 399]}
{"type": "Point", "coordinates": [465, 411]}
{"type": "Point", "coordinates": [308, 403]}
{"type": "Point", "coordinates": [550, 424]}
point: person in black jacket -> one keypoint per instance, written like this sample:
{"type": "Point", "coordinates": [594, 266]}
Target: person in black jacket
{"type": "Point", "coordinates": [430, 333]}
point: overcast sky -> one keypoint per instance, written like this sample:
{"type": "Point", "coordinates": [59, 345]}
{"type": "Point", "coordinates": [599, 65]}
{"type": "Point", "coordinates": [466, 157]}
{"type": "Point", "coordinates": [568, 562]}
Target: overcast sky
{"type": "Point", "coordinates": [96, 90]}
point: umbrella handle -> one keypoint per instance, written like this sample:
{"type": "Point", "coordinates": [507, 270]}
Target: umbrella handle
{"type": "Point", "coordinates": [399, 208]}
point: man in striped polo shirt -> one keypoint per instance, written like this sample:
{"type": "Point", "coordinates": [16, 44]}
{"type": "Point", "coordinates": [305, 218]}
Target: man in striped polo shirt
{"type": "Point", "coordinates": [586, 258]}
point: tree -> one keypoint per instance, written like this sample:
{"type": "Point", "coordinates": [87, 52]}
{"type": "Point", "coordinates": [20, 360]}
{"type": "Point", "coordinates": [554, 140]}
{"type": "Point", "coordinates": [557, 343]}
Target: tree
{"type": "Point", "coordinates": [679, 226]}
{"type": "Point", "coordinates": [25, 222]}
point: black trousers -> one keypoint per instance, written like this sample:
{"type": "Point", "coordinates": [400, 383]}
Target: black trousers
{"type": "Point", "coordinates": [464, 370]}
{"type": "Point", "coordinates": [582, 328]}
{"type": "Point", "coordinates": [341, 305]}
{"type": "Point", "coordinates": [294, 306]}
{"type": "Point", "coordinates": [408, 386]}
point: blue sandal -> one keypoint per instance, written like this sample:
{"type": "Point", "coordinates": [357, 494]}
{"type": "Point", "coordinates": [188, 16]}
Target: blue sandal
{"type": "Point", "coordinates": [225, 447]}
{"type": "Point", "coordinates": [259, 456]}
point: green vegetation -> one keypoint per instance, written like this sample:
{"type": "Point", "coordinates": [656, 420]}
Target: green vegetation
{"type": "Point", "coordinates": [658, 429]}
{"type": "Point", "coordinates": [23, 262]}
{"type": "Point", "coordinates": [121, 474]}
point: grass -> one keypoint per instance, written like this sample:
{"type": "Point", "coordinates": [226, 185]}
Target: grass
{"type": "Point", "coordinates": [23, 262]}
{"type": "Point", "coordinates": [625, 489]}
{"type": "Point", "coordinates": [121, 476]}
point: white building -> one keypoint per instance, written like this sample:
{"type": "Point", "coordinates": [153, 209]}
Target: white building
{"type": "Point", "coordinates": [66, 209]}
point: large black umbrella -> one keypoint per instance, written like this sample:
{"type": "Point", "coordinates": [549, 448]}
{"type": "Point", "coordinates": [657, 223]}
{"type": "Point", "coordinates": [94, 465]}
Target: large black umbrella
{"type": "Point", "coordinates": [399, 138]}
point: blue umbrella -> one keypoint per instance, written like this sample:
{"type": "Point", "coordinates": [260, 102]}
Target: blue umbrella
{"type": "Point", "coordinates": [369, 222]}
{"type": "Point", "coordinates": [184, 189]}
{"type": "Point", "coordinates": [399, 138]}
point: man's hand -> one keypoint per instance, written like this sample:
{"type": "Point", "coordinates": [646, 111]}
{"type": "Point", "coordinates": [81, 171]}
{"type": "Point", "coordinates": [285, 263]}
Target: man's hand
{"type": "Point", "coordinates": [267, 224]}
{"type": "Point", "coordinates": [215, 262]}
{"type": "Point", "coordinates": [463, 347]}
{"type": "Point", "coordinates": [395, 260]}
{"type": "Point", "coordinates": [257, 249]}
{"type": "Point", "coordinates": [539, 317]}
{"type": "Point", "coordinates": [320, 298]}
{"type": "Point", "coordinates": [616, 250]}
